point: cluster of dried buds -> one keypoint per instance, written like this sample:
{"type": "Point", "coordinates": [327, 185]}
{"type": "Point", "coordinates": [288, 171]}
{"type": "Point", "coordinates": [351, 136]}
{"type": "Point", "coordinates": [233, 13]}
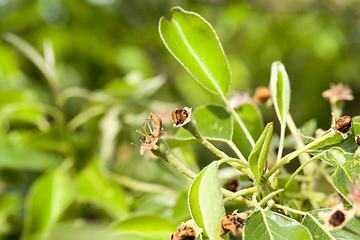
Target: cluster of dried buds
{"type": "Point", "coordinates": [187, 231]}
{"type": "Point", "coordinates": [233, 223]}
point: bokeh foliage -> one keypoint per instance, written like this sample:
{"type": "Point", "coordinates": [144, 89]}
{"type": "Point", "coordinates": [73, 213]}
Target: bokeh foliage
{"type": "Point", "coordinates": [65, 157]}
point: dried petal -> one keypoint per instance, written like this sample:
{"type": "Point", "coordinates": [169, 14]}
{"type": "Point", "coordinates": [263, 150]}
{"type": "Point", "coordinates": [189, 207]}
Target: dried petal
{"type": "Point", "coordinates": [149, 140]}
{"type": "Point", "coordinates": [181, 116]}
{"type": "Point", "coordinates": [233, 223]}
{"type": "Point", "coordinates": [236, 99]}
{"type": "Point", "coordinates": [355, 197]}
{"type": "Point", "coordinates": [357, 140]}
{"type": "Point", "coordinates": [337, 218]}
{"type": "Point", "coordinates": [187, 231]}
{"type": "Point", "coordinates": [337, 93]}
{"type": "Point", "coordinates": [342, 125]}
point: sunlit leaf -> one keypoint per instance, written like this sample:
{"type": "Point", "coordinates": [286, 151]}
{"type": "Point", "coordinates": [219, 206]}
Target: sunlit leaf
{"type": "Point", "coordinates": [252, 118]}
{"type": "Point", "coordinates": [94, 188]}
{"type": "Point", "coordinates": [48, 198]}
{"type": "Point", "coordinates": [213, 121]}
{"type": "Point", "coordinates": [269, 225]}
{"type": "Point", "coordinates": [316, 227]}
{"type": "Point", "coordinates": [194, 43]}
{"type": "Point", "coordinates": [280, 90]}
{"type": "Point", "coordinates": [206, 202]}
{"type": "Point", "coordinates": [149, 226]}
{"type": "Point", "coordinates": [259, 154]}
{"type": "Point", "coordinates": [346, 173]}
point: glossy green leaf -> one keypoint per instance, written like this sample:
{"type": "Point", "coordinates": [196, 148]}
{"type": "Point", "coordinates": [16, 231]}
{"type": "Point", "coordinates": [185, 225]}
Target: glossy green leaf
{"type": "Point", "coordinates": [280, 90]}
{"type": "Point", "coordinates": [262, 225]}
{"type": "Point", "coordinates": [48, 198]}
{"type": "Point", "coordinates": [213, 121]}
{"type": "Point", "coordinates": [206, 202]}
{"type": "Point", "coordinates": [317, 230]}
{"type": "Point", "coordinates": [346, 173]}
{"type": "Point", "coordinates": [348, 145]}
{"type": "Point", "coordinates": [194, 43]}
{"type": "Point", "coordinates": [21, 158]}
{"type": "Point", "coordinates": [151, 226]}
{"type": "Point", "coordinates": [258, 156]}
{"type": "Point", "coordinates": [94, 188]}
{"type": "Point", "coordinates": [251, 116]}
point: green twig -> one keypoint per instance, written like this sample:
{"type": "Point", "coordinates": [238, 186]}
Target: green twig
{"type": "Point", "coordinates": [236, 195]}
{"type": "Point", "coordinates": [269, 196]}
{"type": "Point", "coordinates": [289, 209]}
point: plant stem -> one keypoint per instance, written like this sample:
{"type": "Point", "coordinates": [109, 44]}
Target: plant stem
{"type": "Point", "coordinates": [164, 152]}
{"type": "Point", "coordinates": [286, 159]}
{"type": "Point", "coordinates": [236, 195]}
{"type": "Point", "coordinates": [240, 122]}
{"type": "Point", "coordinates": [269, 196]}
{"type": "Point", "coordinates": [289, 209]}
{"type": "Point", "coordinates": [299, 145]}
{"type": "Point", "coordinates": [236, 150]}
{"type": "Point", "coordinates": [281, 144]}
{"type": "Point", "coordinates": [300, 168]}
{"type": "Point", "coordinates": [255, 202]}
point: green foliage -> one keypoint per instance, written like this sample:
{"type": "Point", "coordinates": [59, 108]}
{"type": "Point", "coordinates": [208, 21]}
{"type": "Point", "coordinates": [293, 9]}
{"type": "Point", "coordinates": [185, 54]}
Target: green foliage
{"type": "Point", "coordinates": [74, 86]}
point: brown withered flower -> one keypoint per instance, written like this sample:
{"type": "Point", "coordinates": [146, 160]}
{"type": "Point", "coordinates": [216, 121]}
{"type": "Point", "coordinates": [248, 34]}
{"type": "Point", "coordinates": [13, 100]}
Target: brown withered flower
{"type": "Point", "coordinates": [181, 117]}
{"type": "Point", "coordinates": [337, 218]}
{"type": "Point", "coordinates": [262, 94]}
{"type": "Point", "coordinates": [233, 223]}
{"type": "Point", "coordinates": [342, 125]}
{"type": "Point", "coordinates": [187, 231]}
{"type": "Point", "coordinates": [337, 93]}
{"type": "Point", "coordinates": [231, 184]}
{"type": "Point", "coordinates": [149, 140]}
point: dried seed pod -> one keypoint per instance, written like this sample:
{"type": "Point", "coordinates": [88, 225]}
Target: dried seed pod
{"type": "Point", "coordinates": [337, 218]}
{"type": "Point", "coordinates": [233, 223]}
{"type": "Point", "coordinates": [187, 231]}
{"type": "Point", "coordinates": [342, 125]}
{"type": "Point", "coordinates": [181, 117]}
{"type": "Point", "coordinates": [262, 94]}
{"type": "Point", "coordinates": [357, 139]}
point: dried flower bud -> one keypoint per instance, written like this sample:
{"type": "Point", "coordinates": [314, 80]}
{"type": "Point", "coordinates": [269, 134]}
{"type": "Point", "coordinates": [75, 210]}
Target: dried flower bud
{"type": "Point", "coordinates": [262, 94]}
{"type": "Point", "coordinates": [149, 140]}
{"type": "Point", "coordinates": [337, 218]}
{"type": "Point", "coordinates": [337, 93]}
{"type": "Point", "coordinates": [233, 223]}
{"type": "Point", "coordinates": [181, 116]}
{"type": "Point", "coordinates": [187, 231]}
{"type": "Point", "coordinates": [231, 184]}
{"type": "Point", "coordinates": [342, 125]}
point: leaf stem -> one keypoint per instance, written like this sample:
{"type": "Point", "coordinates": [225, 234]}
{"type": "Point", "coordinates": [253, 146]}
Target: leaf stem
{"type": "Point", "coordinates": [286, 159]}
{"type": "Point", "coordinates": [289, 209]}
{"type": "Point", "coordinates": [236, 195]}
{"type": "Point", "coordinates": [281, 144]}
{"type": "Point", "coordinates": [303, 165]}
{"type": "Point", "coordinates": [269, 196]}
{"type": "Point", "coordinates": [240, 122]}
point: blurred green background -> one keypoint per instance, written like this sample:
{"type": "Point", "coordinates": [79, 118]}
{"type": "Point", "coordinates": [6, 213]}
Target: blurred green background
{"type": "Point", "coordinates": [105, 69]}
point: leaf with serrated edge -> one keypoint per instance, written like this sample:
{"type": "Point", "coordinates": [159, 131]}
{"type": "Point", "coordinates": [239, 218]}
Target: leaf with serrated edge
{"type": "Point", "coordinates": [206, 202]}
{"type": "Point", "coordinates": [194, 43]}
{"type": "Point", "coordinates": [262, 225]}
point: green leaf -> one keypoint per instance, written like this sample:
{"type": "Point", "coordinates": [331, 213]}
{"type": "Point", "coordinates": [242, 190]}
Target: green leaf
{"type": "Point", "coordinates": [150, 226]}
{"type": "Point", "coordinates": [94, 188]}
{"type": "Point", "coordinates": [206, 202]}
{"type": "Point", "coordinates": [259, 154]}
{"type": "Point", "coordinates": [15, 157]}
{"type": "Point", "coordinates": [194, 43]}
{"type": "Point", "coordinates": [213, 121]}
{"type": "Point", "coordinates": [316, 228]}
{"type": "Point", "coordinates": [346, 173]}
{"type": "Point", "coordinates": [269, 225]}
{"type": "Point", "coordinates": [49, 197]}
{"type": "Point", "coordinates": [348, 145]}
{"type": "Point", "coordinates": [280, 90]}
{"type": "Point", "coordinates": [251, 116]}
{"type": "Point", "coordinates": [180, 209]}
